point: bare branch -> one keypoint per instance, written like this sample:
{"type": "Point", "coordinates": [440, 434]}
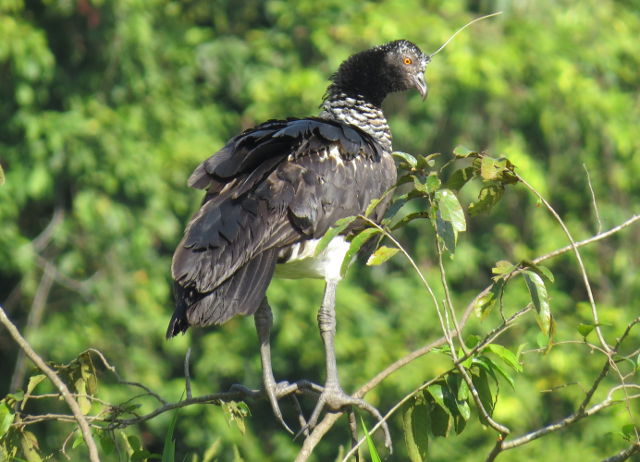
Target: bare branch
{"type": "Point", "coordinates": [595, 238]}
{"type": "Point", "coordinates": [50, 373]}
{"type": "Point", "coordinates": [625, 453]}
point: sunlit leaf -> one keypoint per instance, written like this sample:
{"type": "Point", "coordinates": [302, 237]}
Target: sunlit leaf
{"type": "Point", "coordinates": [503, 267]}
{"type": "Point", "coordinates": [486, 303]}
{"type": "Point", "coordinates": [6, 418]}
{"type": "Point", "coordinates": [30, 446]}
{"type": "Point", "coordinates": [382, 254]}
{"type": "Point", "coordinates": [585, 329]}
{"type": "Point", "coordinates": [373, 452]}
{"type": "Point", "coordinates": [446, 232]}
{"type": "Point", "coordinates": [355, 245]}
{"type": "Point", "coordinates": [489, 168]}
{"type": "Point", "coordinates": [541, 270]}
{"type": "Point", "coordinates": [169, 450]}
{"type": "Point", "coordinates": [433, 183]}
{"type": "Point", "coordinates": [336, 229]}
{"type": "Point", "coordinates": [408, 158]}
{"type": "Point", "coordinates": [487, 198]}
{"type": "Point", "coordinates": [540, 300]}
{"type": "Point", "coordinates": [416, 424]}
{"type": "Point", "coordinates": [492, 368]}
{"type": "Point", "coordinates": [451, 210]}
{"type": "Point", "coordinates": [236, 412]}
{"type": "Point", "coordinates": [462, 151]}
{"type": "Point", "coordinates": [506, 355]}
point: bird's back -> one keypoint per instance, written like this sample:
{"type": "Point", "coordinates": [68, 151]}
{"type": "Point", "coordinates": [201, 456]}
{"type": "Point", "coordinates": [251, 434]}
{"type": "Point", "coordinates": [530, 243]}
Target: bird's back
{"type": "Point", "coordinates": [269, 190]}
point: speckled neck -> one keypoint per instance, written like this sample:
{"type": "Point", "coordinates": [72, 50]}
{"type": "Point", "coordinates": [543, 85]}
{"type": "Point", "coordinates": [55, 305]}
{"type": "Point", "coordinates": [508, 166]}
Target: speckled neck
{"type": "Point", "coordinates": [359, 112]}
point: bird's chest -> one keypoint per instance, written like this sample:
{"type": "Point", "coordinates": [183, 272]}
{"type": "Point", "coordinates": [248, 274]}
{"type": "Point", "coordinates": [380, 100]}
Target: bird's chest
{"type": "Point", "coordinates": [300, 260]}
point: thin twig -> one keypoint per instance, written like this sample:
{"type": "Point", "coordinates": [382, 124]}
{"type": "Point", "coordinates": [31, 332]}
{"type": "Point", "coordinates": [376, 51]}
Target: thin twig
{"type": "Point", "coordinates": [50, 373]}
{"type": "Point", "coordinates": [502, 446]}
{"type": "Point", "coordinates": [582, 412]}
{"type": "Point", "coordinates": [583, 271]}
{"type": "Point", "coordinates": [593, 198]}
{"type": "Point", "coordinates": [187, 376]}
{"type": "Point", "coordinates": [488, 339]}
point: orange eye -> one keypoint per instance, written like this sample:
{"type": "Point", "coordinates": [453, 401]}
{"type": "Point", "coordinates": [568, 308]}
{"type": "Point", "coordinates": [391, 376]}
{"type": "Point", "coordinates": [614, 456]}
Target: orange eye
{"type": "Point", "coordinates": [407, 61]}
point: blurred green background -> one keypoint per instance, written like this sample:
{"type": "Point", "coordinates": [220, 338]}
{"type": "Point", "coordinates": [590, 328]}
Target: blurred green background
{"type": "Point", "coordinates": [107, 106]}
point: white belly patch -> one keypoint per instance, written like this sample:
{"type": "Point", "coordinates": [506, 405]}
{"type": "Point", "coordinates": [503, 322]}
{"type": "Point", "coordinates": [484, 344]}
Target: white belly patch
{"type": "Point", "coordinates": [303, 264]}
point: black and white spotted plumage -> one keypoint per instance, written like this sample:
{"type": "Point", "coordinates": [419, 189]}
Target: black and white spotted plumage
{"type": "Point", "coordinates": [279, 186]}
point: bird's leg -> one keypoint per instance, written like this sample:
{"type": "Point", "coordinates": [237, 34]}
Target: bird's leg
{"type": "Point", "coordinates": [264, 320]}
{"type": "Point", "coordinates": [333, 397]}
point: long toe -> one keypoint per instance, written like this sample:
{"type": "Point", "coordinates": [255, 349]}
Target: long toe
{"type": "Point", "coordinates": [335, 399]}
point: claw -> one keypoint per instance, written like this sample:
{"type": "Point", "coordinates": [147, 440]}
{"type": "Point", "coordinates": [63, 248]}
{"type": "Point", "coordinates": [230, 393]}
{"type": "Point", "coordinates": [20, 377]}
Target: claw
{"type": "Point", "coordinates": [335, 399]}
{"type": "Point", "coordinates": [275, 391]}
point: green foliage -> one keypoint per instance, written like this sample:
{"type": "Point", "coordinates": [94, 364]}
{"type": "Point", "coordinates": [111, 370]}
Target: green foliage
{"type": "Point", "coordinates": [108, 106]}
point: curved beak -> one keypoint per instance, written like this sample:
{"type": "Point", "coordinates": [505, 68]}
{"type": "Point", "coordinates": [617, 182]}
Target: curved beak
{"type": "Point", "coordinates": [421, 85]}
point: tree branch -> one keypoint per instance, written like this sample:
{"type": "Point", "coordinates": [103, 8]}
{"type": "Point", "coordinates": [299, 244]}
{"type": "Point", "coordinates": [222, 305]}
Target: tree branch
{"type": "Point", "coordinates": [51, 374]}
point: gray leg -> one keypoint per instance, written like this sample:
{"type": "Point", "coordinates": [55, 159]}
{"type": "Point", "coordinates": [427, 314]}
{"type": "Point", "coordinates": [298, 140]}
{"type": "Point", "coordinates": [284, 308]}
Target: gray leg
{"type": "Point", "coordinates": [333, 397]}
{"type": "Point", "coordinates": [264, 320]}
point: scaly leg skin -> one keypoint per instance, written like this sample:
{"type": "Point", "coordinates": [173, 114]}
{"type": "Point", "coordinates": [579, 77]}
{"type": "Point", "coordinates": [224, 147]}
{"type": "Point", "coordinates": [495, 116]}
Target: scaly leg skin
{"type": "Point", "coordinates": [333, 397]}
{"type": "Point", "coordinates": [264, 320]}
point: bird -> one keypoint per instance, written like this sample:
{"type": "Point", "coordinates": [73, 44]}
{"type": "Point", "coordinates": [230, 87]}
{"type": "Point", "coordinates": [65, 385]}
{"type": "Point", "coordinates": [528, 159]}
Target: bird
{"type": "Point", "coordinates": [271, 194]}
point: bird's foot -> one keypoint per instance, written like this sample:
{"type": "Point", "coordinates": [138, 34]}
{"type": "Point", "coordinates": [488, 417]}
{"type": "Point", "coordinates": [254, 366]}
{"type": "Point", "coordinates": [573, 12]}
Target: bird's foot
{"type": "Point", "coordinates": [276, 391]}
{"type": "Point", "coordinates": [335, 399]}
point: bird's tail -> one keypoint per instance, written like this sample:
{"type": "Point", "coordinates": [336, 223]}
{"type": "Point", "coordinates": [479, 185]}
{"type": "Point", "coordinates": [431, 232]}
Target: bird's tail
{"type": "Point", "coordinates": [241, 293]}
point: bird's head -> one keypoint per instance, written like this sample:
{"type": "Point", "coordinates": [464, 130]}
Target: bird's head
{"type": "Point", "coordinates": [378, 71]}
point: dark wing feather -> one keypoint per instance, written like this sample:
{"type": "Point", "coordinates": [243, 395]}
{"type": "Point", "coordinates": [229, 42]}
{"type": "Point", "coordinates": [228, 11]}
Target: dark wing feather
{"type": "Point", "coordinates": [274, 185]}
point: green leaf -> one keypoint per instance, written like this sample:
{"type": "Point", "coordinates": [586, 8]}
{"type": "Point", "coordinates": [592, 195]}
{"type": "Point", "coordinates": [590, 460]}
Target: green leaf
{"type": "Point", "coordinates": [408, 158]}
{"type": "Point", "coordinates": [169, 450]}
{"type": "Point", "coordinates": [481, 382]}
{"type": "Point", "coordinates": [416, 424]}
{"type": "Point", "coordinates": [6, 418]}
{"type": "Point", "coordinates": [490, 168]}
{"type": "Point", "coordinates": [382, 254]}
{"type": "Point", "coordinates": [33, 383]}
{"type": "Point", "coordinates": [373, 452]}
{"type": "Point", "coordinates": [1, 176]}
{"type": "Point", "coordinates": [506, 355]}
{"type": "Point", "coordinates": [495, 367]}
{"type": "Point", "coordinates": [440, 419]}
{"type": "Point", "coordinates": [541, 270]}
{"type": "Point", "coordinates": [503, 267]}
{"type": "Point", "coordinates": [78, 439]}
{"type": "Point", "coordinates": [585, 329]}
{"type": "Point", "coordinates": [462, 151]}
{"type": "Point", "coordinates": [485, 303]}
{"type": "Point", "coordinates": [487, 198]}
{"type": "Point", "coordinates": [356, 244]}
{"type": "Point", "coordinates": [540, 300]}
{"type": "Point", "coordinates": [236, 412]}
{"type": "Point", "coordinates": [30, 447]}
{"type": "Point", "coordinates": [460, 177]}
{"type": "Point", "coordinates": [339, 226]}
{"type": "Point", "coordinates": [372, 206]}
{"type": "Point", "coordinates": [451, 210]}
{"type": "Point", "coordinates": [433, 182]}
{"type": "Point", "coordinates": [34, 380]}
{"type": "Point", "coordinates": [107, 443]}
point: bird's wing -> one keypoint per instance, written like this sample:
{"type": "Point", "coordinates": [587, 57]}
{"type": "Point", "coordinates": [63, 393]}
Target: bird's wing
{"type": "Point", "coordinates": [272, 186]}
